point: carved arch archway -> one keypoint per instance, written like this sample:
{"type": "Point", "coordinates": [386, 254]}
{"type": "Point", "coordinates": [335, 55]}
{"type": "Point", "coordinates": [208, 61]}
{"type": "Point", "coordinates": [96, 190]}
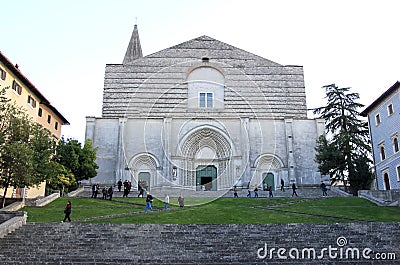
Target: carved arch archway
{"type": "Point", "coordinates": [206, 138]}
{"type": "Point", "coordinates": [144, 164]}
{"type": "Point", "coordinates": [265, 165]}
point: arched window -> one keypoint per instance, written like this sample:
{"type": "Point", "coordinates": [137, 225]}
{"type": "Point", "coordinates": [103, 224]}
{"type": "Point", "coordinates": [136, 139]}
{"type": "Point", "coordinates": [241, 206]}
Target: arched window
{"type": "Point", "coordinates": [382, 151]}
{"type": "Point", "coordinates": [395, 141]}
{"type": "Point", "coordinates": [206, 88]}
{"type": "Point", "coordinates": [386, 181]}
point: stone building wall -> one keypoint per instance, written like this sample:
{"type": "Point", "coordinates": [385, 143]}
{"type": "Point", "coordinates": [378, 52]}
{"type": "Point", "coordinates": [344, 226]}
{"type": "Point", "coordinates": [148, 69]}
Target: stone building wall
{"type": "Point", "coordinates": [152, 126]}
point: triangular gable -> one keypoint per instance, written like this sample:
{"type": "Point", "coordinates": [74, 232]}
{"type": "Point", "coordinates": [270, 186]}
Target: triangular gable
{"type": "Point", "coordinates": [204, 43]}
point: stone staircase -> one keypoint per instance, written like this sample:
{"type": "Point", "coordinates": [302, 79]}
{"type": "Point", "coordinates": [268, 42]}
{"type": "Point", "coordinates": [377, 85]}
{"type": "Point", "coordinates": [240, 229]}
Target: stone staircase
{"type": "Point", "coordinates": [81, 243]}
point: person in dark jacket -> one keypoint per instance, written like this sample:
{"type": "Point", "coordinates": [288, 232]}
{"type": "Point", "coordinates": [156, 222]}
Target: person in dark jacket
{"type": "Point", "coordinates": [104, 192]}
{"type": "Point", "coordinates": [110, 192]}
{"type": "Point", "coordinates": [323, 188]}
{"type": "Point", "coordinates": [149, 201]}
{"type": "Point", "coordinates": [181, 201]}
{"type": "Point", "coordinates": [294, 190]}
{"type": "Point", "coordinates": [67, 211]}
{"type": "Point", "coordinates": [119, 183]}
{"type": "Point", "coordinates": [256, 192]}
{"type": "Point", "coordinates": [141, 192]}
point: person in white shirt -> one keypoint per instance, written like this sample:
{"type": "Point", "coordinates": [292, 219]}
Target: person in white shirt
{"type": "Point", "coordinates": [166, 201]}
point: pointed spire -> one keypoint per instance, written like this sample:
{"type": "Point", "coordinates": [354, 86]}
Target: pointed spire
{"type": "Point", "coordinates": [134, 50]}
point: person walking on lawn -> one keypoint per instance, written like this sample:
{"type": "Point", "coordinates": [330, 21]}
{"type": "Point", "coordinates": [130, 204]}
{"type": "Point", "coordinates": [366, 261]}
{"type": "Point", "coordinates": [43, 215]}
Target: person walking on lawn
{"type": "Point", "coordinates": [67, 211]}
{"type": "Point", "coordinates": [149, 201]}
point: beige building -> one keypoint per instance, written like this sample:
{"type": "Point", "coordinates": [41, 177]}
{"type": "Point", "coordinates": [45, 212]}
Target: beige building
{"type": "Point", "coordinates": [24, 94]}
{"type": "Point", "coordinates": [203, 116]}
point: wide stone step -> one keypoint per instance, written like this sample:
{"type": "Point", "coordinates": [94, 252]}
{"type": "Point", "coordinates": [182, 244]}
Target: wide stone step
{"type": "Point", "coordinates": [76, 243]}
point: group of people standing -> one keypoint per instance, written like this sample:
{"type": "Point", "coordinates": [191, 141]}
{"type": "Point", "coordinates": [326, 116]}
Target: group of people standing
{"type": "Point", "coordinates": [107, 192]}
{"type": "Point", "coordinates": [127, 187]}
{"type": "Point", "coordinates": [266, 188]}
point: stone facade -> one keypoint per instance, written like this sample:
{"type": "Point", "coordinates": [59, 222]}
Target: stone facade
{"type": "Point", "coordinates": [204, 115]}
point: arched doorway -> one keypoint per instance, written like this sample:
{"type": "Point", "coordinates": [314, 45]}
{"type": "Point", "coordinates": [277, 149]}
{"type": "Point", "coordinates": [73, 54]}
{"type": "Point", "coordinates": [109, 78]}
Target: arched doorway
{"type": "Point", "coordinates": [144, 180]}
{"type": "Point", "coordinates": [206, 178]}
{"type": "Point", "coordinates": [268, 180]}
{"type": "Point", "coordinates": [386, 181]}
{"type": "Point", "coordinates": [206, 156]}
{"type": "Point", "coordinates": [143, 168]}
{"type": "Point", "coordinates": [268, 171]}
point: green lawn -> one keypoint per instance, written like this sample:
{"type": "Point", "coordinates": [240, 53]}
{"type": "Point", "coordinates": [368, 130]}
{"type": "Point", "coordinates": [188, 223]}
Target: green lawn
{"type": "Point", "coordinates": [218, 211]}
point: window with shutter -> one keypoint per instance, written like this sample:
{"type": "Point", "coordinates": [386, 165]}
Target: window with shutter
{"type": "Point", "coordinates": [3, 74]}
{"type": "Point", "coordinates": [17, 88]}
{"type": "Point", "coordinates": [32, 102]}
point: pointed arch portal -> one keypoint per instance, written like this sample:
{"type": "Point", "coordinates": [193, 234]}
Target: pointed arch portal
{"type": "Point", "coordinates": [206, 154]}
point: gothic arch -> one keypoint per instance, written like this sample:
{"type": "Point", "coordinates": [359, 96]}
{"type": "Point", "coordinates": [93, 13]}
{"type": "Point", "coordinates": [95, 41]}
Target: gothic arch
{"type": "Point", "coordinates": [144, 159]}
{"type": "Point", "coordinates": [267, 164]}
{"type": "Point", "coordinates": [206, 137]}
{"type": "Point", "coordinates": [143, 167]}
{"type": "Point", "coordinates": [268, 161]}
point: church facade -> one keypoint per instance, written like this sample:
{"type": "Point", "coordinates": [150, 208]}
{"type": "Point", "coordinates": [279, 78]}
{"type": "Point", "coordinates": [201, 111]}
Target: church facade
{"type": "Point", "coordinates": [203, 115]}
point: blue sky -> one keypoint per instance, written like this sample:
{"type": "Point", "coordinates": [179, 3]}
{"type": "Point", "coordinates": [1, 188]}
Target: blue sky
{"type": "Point", "coordinates": [63, 46]}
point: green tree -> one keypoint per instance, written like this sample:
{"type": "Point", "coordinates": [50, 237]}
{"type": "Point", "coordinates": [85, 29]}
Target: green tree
{"type": "Point", "coordinates": [26, 148]}
{"type": "Point", "coordinates": [43, 146]}
{"type": "Point", "coordinates": [81, 161]}
{"type": "Point", "coordinates": [329, 158]}
{"type": "Point", "coordinates": [362, 177]}
{"type": "Point", "coordinates": [16, 164]}
{"type": "Point", "coordinates": [62, 178]}
{"type": "Point", "coordinates": [348, 142]}
{"type": "Point", "coordinates": [15, 160]}
{"type": "Point", "coordinates": [87, 160]}
{"type": "Point", "coordinates": [67, 154]}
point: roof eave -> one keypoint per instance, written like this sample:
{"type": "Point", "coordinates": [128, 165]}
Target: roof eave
{"type": "Point", "coordinates": [365, 112]}
{"type": "Point", "coordinates": [23, 78]}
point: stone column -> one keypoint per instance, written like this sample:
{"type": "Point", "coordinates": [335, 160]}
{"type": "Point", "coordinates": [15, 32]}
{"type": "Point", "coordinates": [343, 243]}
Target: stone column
{"type": "Point", "coordinates": [90, 128]}
{"type": "Point", "coordinates": [121, 163]}
{"type": "Point", "coordinates": [245, 149]}
{"type": "Point", "coordinates": [290, 156]}
{"type": "Point", "coordinates": [167, 167]}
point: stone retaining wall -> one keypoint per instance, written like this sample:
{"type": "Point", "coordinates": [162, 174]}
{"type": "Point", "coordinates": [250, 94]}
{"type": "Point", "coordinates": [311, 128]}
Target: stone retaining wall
{"type": "Point", "coordinates": [10, 221]}
{"type": "Point", "coordinates": [46, 200]}
{"type": "Point", "coordinates": [381, 197]}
